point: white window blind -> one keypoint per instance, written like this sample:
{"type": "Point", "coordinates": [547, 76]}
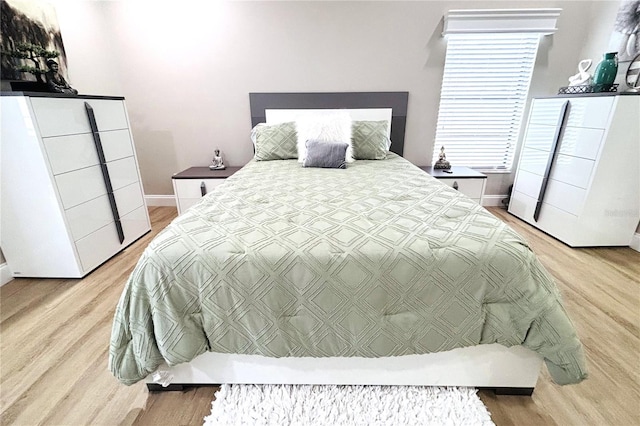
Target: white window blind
{"type": "Point", "coordinates": [484, 92]}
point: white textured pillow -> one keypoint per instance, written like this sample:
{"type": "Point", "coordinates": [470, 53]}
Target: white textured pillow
{"type": "Point", "coordinates": [329, 127]}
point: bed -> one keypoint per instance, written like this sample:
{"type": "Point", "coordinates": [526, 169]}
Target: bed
{"type": "Point", "coordinates": [372, 274]}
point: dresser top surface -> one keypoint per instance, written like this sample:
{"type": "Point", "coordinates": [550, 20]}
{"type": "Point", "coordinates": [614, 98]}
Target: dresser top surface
{"type": "Point", "coordinates": [60, 95]}
{"type": "Point", "coordinates": [457, 172]}
{"type": "Point", "coordinates": [205, 173]}
{"type": "Point", "coordinates": [589, 95]}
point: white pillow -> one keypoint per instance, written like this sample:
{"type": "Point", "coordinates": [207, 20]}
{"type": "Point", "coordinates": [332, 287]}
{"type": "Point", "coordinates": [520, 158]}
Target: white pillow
{"type": "Point", "coordinates": [328, 127]}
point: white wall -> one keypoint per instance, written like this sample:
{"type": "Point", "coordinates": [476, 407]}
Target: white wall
{"type": "Point", "coordinates": [88, 35]}
{"type": "Point", "coordinates": [186, 71]}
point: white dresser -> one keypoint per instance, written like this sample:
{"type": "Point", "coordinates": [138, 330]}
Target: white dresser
{"type": "Point", "coordinates": [67, 207]}
{"type": "Point", "coordinates": [586, 192]}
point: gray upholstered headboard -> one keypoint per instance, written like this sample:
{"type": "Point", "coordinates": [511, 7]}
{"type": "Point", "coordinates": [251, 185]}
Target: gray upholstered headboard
{"type": "Point", "coordinates": [397, 101]}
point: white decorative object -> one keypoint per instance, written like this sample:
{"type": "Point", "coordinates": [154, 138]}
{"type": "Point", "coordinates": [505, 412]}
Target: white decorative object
{"type": "Point", "coordinates": [217, 163]}
{"type": "Point", "coordinates": [583, 77]}
{"type": "Point", "coordinates": [346, 405]}
{"type": "Point", "coordinates": [57, 219]}
{"type": "Point", "coordinates": [591, 196]}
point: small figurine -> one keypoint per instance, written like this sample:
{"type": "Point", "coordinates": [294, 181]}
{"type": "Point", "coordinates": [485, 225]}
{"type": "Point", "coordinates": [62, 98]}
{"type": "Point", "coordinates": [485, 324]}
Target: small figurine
{"type": "Point", "coordinates": [55, 81]}
{"type": "Point", "coordinates": [217, 163]}
{"type": "Point", "coordinates": [442, 162]}
{"type": "Point", "coordinates": [583, 77]}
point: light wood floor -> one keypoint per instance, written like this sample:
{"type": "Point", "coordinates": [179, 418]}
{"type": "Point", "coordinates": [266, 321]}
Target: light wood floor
{"type": "Point", "coordinates": [54, 337]}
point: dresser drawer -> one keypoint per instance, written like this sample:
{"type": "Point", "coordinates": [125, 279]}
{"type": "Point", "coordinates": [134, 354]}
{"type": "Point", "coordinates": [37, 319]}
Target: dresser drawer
{"type": "Point", "coordinates": [129, 198]}
{"type": "Point", "coordinates": [186, 203]}
{"type": "Point", "coordinates": [188, 192]}
{"type": "Point", "coordinates": [558, 194]}
{"type": "Point", "coordinates": [583, 112]}
{"type": "Point", "coordinates": [565, 197]}
{"type": "Point", "coordinates": [100, 245]}
{"type": "Point", "coordinates": [94, 214]}
{"type": "Point", "coordinates": [553, 220]}
{"type": "Point", "coordinates": [123, 172]}
{"type": "Point", "coordinates": [575, 141]}
{"type": "Point", "coordinates": [472, 188]}
{"type": "Point", "coordinates": [572, 170]}
{"type": "Point", "coordinates": [191, 188]}
{"type": "Point", "coordinates": [56, 116]}
{"type": "Point", "coordinates": [116, 144]}
{"type": "Point", "coordinates": [72, 152]}
{"type": "Point", "coordinates": [528, 183]}
{"type": "Point", "coordinates": [82, 185]}
{"type": "Point", "coordinates": [581, 142]}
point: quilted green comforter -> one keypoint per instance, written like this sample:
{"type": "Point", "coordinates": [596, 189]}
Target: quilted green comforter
{"type": "Point", "coordinates": [376, 260]}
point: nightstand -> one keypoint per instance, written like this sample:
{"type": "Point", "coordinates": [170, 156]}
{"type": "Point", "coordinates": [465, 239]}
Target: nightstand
{"type": "Point", "coordinates": [190, 185]}
{"type": "Point", "coordinates": [468, 181]}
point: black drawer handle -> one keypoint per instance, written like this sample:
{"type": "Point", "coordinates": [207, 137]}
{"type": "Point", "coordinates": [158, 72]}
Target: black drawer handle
{"type": "Point", "coordinates": [550, 160]}
{"type": "Point", "coordinates": [105, 171]}
{"type": "Point", "coordinates": [203, 189]}
{"type": "Point", "coordinates": [455, 185]}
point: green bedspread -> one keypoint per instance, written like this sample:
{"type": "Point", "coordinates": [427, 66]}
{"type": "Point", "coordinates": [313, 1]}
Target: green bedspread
{"type": "Point", "coordinates": [376, 260]}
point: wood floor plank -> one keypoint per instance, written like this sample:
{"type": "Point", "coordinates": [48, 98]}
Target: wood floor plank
{"type": "Point", "coordinates": [54, 337]}
{"type": "Point", "coordinates": [167, 407]}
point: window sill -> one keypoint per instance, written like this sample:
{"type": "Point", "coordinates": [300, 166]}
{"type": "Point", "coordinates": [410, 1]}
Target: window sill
{"type": "Point", "coordinates": [493, 171]}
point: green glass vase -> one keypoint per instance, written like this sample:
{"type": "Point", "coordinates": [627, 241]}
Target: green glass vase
{"type": "Point", "coordinates": [607, 69]}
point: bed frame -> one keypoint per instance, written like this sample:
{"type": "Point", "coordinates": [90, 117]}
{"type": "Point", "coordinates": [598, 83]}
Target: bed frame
{"type": "Point", "coordinates": [512, 371]}
{"type": "Point", "coordinates": [508, 371]}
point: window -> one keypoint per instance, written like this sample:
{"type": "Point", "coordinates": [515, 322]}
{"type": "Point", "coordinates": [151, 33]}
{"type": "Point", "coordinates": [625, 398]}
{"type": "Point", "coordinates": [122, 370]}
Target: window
{"type": "Point", "coordinates": [484, 92]}
{"type": "Point", "coordinates": [487, 73]}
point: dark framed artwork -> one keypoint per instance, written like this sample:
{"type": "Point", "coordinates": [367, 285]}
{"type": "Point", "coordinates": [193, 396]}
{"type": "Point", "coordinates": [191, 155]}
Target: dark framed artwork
{"type": "Point", "coordinates": [33, 23]}
{"type": "Point", "coordinates": [625, 38]}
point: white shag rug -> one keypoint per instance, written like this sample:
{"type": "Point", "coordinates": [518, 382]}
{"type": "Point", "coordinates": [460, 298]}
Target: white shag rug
{"type": "Point", "coordinates": [346, 405]}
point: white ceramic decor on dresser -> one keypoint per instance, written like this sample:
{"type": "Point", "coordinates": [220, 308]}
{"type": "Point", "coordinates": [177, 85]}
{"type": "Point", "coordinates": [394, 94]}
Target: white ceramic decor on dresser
{"type": "Point", "coordinates": [63, 208]}
{"type": "Point", "coordinates": [587, 191]}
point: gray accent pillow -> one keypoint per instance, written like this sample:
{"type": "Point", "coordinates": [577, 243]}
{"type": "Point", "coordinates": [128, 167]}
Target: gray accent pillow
{"type": "Point", "coordinates": [325, 154]}
{"type": "Point", "coordinates": [275, 141]}
{"type": "Point", "coordinates": [370, 141]}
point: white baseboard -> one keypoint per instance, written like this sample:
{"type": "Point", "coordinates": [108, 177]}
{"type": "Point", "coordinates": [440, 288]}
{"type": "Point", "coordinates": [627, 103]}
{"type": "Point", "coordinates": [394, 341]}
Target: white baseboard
{"type": "Point", "coordinates": [5, 274]}
{"type": "Point", "coordinates": [493, 200]}
{"type": "Point", "coordinates": [160, 200]}
{"type": "Point", "coordinates": [635, 242]}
